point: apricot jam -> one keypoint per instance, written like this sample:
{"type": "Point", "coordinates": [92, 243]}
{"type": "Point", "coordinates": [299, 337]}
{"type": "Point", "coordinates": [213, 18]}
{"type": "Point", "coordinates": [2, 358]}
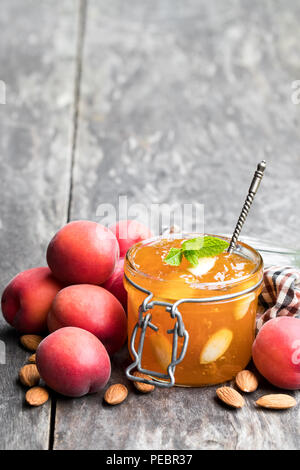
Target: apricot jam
{"type": "Point", "coordinates": [221, 332]}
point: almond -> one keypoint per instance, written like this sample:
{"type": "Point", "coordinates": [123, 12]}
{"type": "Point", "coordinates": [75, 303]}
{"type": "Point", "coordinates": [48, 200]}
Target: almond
{"type": "Point", "coordinates": [31, 342]}
{"type": "Point", "coordinates": [37, 396]}
{"type": "Point", "coordinates": [231, 397]}
{"type": "Point", "coordinates": [29, 375]}
{"type": "Point", "coordinates": [243, 306]}
{"type": "Point", "coordinates": [116, 394]}
{"type": "Point", "coordinates": [216, 346]}
{"type": "Point", "coordinates": [278, 401]}
{"type": "Point", "coordinates": [32, 358]}
{"type": "Point", "coordinates": [246, 381]}
{"type": "Point", "coordinates": [162, 349]}
{"type": "Point", "coordinates": [142, 387]}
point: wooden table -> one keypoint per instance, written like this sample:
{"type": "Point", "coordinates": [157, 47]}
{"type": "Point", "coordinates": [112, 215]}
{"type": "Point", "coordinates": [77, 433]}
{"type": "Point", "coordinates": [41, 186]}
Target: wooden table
{"type": "Point", "coordinates": [162, 101]}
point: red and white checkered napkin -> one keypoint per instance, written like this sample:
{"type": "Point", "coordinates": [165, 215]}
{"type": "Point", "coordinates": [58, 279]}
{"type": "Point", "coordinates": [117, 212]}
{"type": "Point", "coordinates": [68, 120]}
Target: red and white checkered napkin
{"type": "Point", "coordinates": [280, 296]}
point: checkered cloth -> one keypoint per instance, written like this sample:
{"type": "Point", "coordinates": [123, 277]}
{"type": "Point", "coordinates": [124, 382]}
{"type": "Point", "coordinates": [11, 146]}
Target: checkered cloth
{"type": "Point", "coordinates": [280, 296]}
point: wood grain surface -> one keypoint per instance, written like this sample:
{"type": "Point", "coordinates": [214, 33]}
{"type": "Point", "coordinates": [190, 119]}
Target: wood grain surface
{"type": "Point", "coordinates": [163, 101]}
{"type": "Point", "coordinates": [38, 64]}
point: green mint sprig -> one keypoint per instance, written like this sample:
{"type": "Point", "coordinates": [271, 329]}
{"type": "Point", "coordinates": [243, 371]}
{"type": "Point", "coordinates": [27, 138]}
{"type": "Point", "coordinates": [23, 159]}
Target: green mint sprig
{"type": "Point", "coordinates": [195, 248]}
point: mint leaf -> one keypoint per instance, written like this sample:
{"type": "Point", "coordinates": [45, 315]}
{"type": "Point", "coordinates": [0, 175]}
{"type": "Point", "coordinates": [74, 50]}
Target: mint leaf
{"type": "Point", "coordinates": [193, 244]}
{"type": "Point", "coordinates": [192, 256]}
{"type": "Point", "coordinates": [195, 248]}
{"type": "Point", "coordinates": [212, 246]}
{"type": "Point", "coordinates": [174, 257]}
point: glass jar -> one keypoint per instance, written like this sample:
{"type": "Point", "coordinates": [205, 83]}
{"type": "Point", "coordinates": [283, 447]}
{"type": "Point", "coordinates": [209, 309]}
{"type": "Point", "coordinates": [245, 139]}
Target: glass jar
{"type": "Point", "coordinates": [219, 318]}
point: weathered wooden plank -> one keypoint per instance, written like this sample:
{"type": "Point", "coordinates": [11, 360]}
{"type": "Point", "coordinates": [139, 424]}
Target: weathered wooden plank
{"type": "Point", "coordinates": [179, 418]}
{"type": "Point", "coordinates": [37, 57]}
{"type": "Point", "coordinates": [179, 100]}
{"type": "Point", "coordinates": [179, 103]}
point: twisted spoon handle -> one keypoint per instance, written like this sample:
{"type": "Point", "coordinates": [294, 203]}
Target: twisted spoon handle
{"type": "Point", "coordinates": [247, 204]}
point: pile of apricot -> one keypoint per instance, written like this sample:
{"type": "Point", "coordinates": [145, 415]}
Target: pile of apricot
{"type": "Point", "coordinates": [80, 300]}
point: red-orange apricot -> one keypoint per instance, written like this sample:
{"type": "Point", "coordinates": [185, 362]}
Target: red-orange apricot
{"type": "Point", "coordinates": [27, 299]}
{"type": "Point", "coordinates": [83, 252]}
{"type": "Point", "coordinates": [276, 352]}
{"type": "Point", "coordinates": [115, 284]}
{"type": "Point", "coordinates": [73, 362]}
{"type": "Point", "coordinates": [129, 232]}
{"type": "Point", "coordinates": [92, 308]}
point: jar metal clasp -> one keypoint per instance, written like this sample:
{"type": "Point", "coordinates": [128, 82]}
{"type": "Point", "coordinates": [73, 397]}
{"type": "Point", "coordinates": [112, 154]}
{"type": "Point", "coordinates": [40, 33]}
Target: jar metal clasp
{"type": "Point", "coordinates": [144, 322]}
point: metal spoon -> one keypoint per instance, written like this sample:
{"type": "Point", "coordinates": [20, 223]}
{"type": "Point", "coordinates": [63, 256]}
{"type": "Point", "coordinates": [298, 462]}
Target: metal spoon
{"type": "Point", "coordinates": [247, 204]}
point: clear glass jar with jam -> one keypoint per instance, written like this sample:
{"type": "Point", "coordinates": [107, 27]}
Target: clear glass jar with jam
{"type": "Point", "coordinates": [214, 303]}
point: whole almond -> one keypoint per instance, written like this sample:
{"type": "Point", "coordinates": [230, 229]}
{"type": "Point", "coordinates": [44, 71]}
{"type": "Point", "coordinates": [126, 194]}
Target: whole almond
{"type": "Point", "coordinates": [36, 396]}
{"type": "Point", "coordinates": [246, 381]}
{"type": "Point", "coordinates": [32, 358]}
{"type": "Point", "coordinates": [29, 375]}
{"type": "Point", "coordinates": [116, 394]}
{"type": "Point", "coordinates": [142, 387]}
{"type": "Point", "coordinates": [231, 397]}
{"type": "Point", "coordinates": [278, 401]}
{"type": "Point", "coordinates": [31, 342]}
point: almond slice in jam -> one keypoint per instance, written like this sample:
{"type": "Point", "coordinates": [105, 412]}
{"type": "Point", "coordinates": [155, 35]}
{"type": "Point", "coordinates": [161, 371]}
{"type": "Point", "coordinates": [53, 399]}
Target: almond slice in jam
{"type": "Point", "coordinates": [204, 265]}
{"type": "Point", "coordinates": [242, 306]}
{"type": "Point", "coordinates": [162, 349]}
{"type": "Point", "coordinates": [216, 346]}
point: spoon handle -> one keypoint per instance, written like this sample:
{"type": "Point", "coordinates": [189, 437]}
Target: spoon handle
{"type": "Point", "coordinates": [247, 204]}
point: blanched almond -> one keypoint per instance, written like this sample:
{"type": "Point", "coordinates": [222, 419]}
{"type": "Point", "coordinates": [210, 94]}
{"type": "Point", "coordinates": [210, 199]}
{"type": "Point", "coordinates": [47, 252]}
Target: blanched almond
{"type": "Point", "coordinates": [37, 396]}
{"type": "Point", "coordinates": [116, 394]}
{"type": "Point", "coordinates": [204, 265]}
{"type": "Point", "coordinates": [231, 397]}
{"type": "Point", "coordinates": [216, 346]}
{"type": "Point", "coordinates": [278, 401]}
{"type": "Point", "coordinates": [142, 387]}
{"type": "Point", "coordinates": [162, 349]}
{"type": "Point", "coordinates": [29, 375]}
{"type": "Point", "coordinates": [243, 305]}
{"type": "Point", "coordinates": [31, 342]}
{"type": "Point", "coordinates": [246, 381]}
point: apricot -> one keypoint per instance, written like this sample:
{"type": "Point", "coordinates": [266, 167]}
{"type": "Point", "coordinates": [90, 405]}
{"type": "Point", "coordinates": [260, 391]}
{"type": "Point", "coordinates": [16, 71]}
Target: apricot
{"type": "Point", "coordinates": [73, 362]}
{"type": "Point", "coordinates": [27, 299]}
{"type": "Point", "coordinates": [276, 352]}
{"type": "Point", "coordinates": [92, 308]}
{"type": "Point", "coordinates": [129, 232]}
{"type": "Point", "coordinates": [115, 284]}
{"type": "Point", "coordinates": [83, 252]}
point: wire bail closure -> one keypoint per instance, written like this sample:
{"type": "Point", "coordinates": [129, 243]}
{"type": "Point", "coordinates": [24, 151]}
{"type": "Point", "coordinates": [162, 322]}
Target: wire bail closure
{"type": "Point", "coordinates": [144, 322]}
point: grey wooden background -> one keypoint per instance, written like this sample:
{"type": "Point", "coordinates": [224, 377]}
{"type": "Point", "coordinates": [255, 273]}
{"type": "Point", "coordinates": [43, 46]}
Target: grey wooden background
{"type": "Point", "coordinates": [162, 101]}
